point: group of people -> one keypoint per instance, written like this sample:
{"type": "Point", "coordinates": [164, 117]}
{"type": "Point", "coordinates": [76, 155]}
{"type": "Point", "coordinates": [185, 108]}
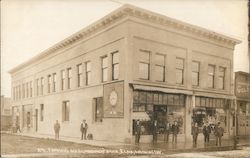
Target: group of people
{"type": "Point", "coordinates": [168, 129]}
{"type": "Point", "coordinates": [218, 132]}
{"type": "Point", "coordinates": [83, 129]}
{"type": "Point", "coordinates": [174, 130]}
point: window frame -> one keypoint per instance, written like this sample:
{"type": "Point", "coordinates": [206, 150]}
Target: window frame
{"type": "Point", "coordinates": [37, 87]}
{"type": "Point", "coordinates": [114, 65]}
{"type": "Point", "coordinates": [222, 76]}
{"type": "Point", "coordinates": [69, 78]}
{"type": "Point", "coordinates": [49, 83]}
{"type": "Point", "coordinates": [63, 80]}
{"type": "Point", "coordinates": [104, 68]}
{"type": "Point", "coordinates": [42, 86]}
{"type": "Point", "coordinates": [87, 72]}
{"type": "Point", "coordinates": [157, 65]}
{"type": "Point", "coordinates": [180, 69]}
{"type": "Point", "coordinates": [211, 75]}
{"type": "Point", "coordinates": [54, 82]}
{"type": "Point", "coordinates": [31, 88]}
{"type": "Point", "coordinates": [145, 63]}
{"type": "Point", "coordinates": [79, 75]}
{"type": "Point", "coordinates": [196, 72]}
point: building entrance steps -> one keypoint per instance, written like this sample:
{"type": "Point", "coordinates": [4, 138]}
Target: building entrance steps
{"type": "Point", "coordinates": [165, 147]}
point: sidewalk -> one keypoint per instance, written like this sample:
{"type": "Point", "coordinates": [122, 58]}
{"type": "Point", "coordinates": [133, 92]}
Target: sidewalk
{"type": "Point", "coordinates": [98, 143]}
{"type": "Point", "coordinates": [164, 147]}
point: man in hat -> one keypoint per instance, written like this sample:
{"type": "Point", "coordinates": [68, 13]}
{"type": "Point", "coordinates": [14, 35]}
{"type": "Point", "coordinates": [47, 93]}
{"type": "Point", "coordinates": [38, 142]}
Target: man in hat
{"type": "Point", "coordinates": [206, 132]}
{"type": "Point", "coordinates": [137, 132]}
{"type": "Point", "coordinates": [195, 133]}
{"type": "Point", "coordinates": [218, 134]}
{"type": "Point", "coordinates": [175, 130]}
{"type": "Point", "coordinates": [57, 129]}
{"type": "Point", "coordinates": [155, 131]}
{"type": "Point", "coordinates": [167, 130]}
{"type": "Point", "coordinates": [84, 127]}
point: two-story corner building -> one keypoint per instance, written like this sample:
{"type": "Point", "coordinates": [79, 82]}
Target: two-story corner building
{"type": "Point", "coordinates": [131, 64]}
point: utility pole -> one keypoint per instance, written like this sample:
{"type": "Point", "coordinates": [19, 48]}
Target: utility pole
{"type": "Point", "coordinates": [236, 139]}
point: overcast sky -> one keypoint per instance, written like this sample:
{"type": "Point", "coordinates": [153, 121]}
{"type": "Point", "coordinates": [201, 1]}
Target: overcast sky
{"type": "Point", "coordinates": [30, 26]}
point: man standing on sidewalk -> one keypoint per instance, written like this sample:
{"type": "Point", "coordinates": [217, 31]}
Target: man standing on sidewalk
{"type": "Point", "coordinates": [195, 132]}
{"type": "Point", "coordinates": [57, 129]}
{"type": "Point", "coordinates": [84, 127]}
{"type": "Point", "coordinates": [206, 132]}
{"type": "Point", "coordinates": [137, 132]}
{"type": "Point", "coordinates": [167, 131]}
{"type": "Point", "coordinates": [175, 130]}
{"type": "Point", "coordinates": [218, 133]}
{"type": "Point", "coordinates": [155, 131]}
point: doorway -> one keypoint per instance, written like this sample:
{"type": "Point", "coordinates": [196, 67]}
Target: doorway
{"type": "Point", "coordinates": [160, 114]}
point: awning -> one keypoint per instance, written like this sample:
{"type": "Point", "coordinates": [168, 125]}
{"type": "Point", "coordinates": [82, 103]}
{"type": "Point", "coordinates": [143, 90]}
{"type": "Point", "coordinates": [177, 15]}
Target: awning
{"type": "Point", "coordinates": [214, 95]}
{"type": "Point", "coordinates": [140, 116]}
{"type": "Point", "coordinates": [161, 89]}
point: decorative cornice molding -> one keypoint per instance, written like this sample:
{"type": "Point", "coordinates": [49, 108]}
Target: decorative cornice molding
{"type": "Point", "coordinates": [132, 11]}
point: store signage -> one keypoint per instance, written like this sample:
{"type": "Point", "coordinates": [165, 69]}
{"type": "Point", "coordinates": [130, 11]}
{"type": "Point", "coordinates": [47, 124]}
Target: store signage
{"type": "Point", "coordinates": [113, 100]}
{"type": "Point", "coordinates": [242, 85]}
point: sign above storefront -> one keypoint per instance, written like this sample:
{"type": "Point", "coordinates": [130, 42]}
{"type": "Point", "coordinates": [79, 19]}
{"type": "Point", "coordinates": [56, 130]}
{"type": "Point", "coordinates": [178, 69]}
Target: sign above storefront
{"type": "Point", "coordinates": [242, 85]}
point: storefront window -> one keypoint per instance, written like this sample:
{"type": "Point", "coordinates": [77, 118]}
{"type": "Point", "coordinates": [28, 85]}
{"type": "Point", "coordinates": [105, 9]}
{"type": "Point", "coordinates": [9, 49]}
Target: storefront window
{"type": "Point", "coordinates": [161, 107]}
{"type": "Point", "coordinates": [139, 108]}
{"type": "Point", "coordinates": [175, 113]}
{"type": "Point", "coordinates": [210, 115]}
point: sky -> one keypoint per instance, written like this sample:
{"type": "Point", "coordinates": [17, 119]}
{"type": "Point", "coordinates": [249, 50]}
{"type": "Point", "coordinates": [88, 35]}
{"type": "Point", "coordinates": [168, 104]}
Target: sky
{"type": "Point", "coordinates": [29, 27]}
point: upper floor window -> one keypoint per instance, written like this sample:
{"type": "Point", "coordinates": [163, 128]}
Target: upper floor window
{"type": "Point", "coordinates": [19, 92]}
{"type": "Point", "coordinates": [27, 89]}
{"type": "Point", "coordinates": [14, 93]}
{"type": "Point", "coordinates": [54, 82]}
{"type": "Point", "coordinates": [88, 72]}
{"type": "Point", "coordinates": [179, 71]}
{"type": "Point", "coordinates": [79, 75]}
{"type": "Point", "coordinates": [115, 66]}
{"type": "Point", "coordinates": [211, 74]}
{"type": "Point", "coordinates": [221, 78]}
{"type": "Point", "coordinates": [49, 83]}
{"type": "Point", "coordinates": [37, 87]}
{"type": "Point", "coordinates": [144, 64]}
{"type": "Point", "coordinates": [104, 68]}
{"type": "Point", "coordinates": [63, 76]}
{"type": "Point", "coordinates": [69, 73]}
{"type": "Point", "coordinates": [65, 111]}
{"type": "Point", "coordinates": [31, 88]}
{"type": "Point", "coordinates": [42, 85]}
{"type": "Point", "coordinates": [195, 73]}
{"type": "Point", "coordinates": [23, 90]}
{"type": "Point", "coordinates": [160, 67]}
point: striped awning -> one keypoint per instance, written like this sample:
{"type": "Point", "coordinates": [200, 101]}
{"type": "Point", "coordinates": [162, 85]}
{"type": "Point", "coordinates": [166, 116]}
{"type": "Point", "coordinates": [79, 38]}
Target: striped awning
{"type": "Point", "coordinates": [143, 116]}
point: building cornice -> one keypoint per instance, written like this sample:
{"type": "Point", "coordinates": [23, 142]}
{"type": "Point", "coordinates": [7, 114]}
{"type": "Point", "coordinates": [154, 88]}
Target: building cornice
{"type": "Point", "coordinates": [132, 11]}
